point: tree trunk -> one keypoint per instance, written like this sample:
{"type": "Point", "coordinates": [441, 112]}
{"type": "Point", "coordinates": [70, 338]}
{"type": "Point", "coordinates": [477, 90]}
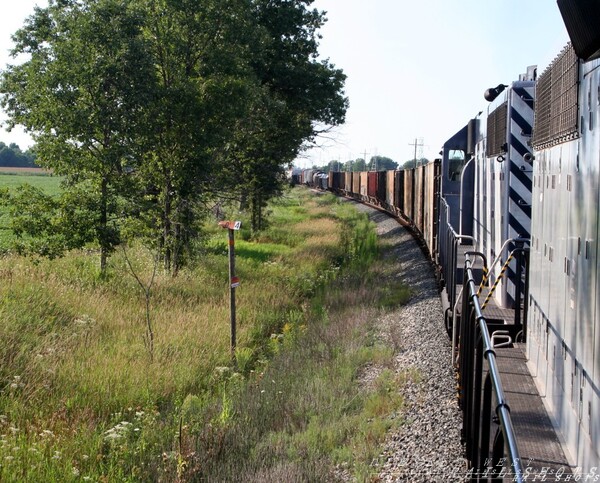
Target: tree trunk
{"type": "Point", "coordinates": [177, 246]}
{"type": "Point", "coordinates": [259, 208]}
{"type": "Point", "coordinates": [166, 238]}
{"type": "Point", "coordinates": [253, 215]}
{"type": "Point", "coordinates": [243, 201]}
{"type": "Point", "coordinates": [104, 242]}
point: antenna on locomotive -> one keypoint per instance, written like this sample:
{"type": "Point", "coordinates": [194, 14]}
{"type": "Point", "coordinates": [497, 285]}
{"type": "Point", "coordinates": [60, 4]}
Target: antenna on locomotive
{"type": "Point", "coordinates": [493, 92]}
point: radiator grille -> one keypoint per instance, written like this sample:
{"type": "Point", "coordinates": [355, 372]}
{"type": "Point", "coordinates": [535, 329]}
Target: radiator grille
{"type": "Point", "coordinates": [556, 106]}
{"type": "Point", "coordinates": [496, 131]}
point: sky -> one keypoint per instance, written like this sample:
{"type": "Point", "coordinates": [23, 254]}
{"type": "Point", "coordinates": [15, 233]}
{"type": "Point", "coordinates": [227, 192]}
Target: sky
{"type": "Point", "coordinates": [416, 71]}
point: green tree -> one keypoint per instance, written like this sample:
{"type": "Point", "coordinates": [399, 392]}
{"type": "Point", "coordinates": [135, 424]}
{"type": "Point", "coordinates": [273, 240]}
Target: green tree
{"type": "Point", "coordinates": [200, 50]}
{"type": "Point", "coordinates": [80, 94]}
{"type": "Point", "coordinates": [358, 165]}
{"type": "Point", "coordinates": [301, 96]}
{"type": "Point", "coordinates": [47, 225]}
{"type": "Point", "coordinates": [411, 163]}
{"type": "Point", "coordinates": [12, 156]}
{"type": "Point", "coordinates": [381, 163]}
{"type": "Point", "coordinates": [333, 165]}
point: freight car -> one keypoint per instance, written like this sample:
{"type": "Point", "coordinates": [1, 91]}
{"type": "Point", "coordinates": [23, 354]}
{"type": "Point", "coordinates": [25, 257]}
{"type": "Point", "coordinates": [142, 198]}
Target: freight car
{"type": "Point", "coordinates": [511, 212]}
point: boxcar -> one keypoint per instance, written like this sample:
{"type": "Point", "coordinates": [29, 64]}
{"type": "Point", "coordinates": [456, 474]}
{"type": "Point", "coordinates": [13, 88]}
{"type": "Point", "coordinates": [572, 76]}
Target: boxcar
{"type": "Point", "coordinates": [430, 218]}
{"type": "Point", "coordinates": [356, 184]}
{"type": "Point", "coordinates": [381, 187]}
{"type": "Point", "coordinates": [408, 193]}
{"type": "Point", "coordinates": [336, 181]}
{"type": "Point", "coordinates": [399, 191]}
{"type": "Point", "coordinates": [348, 182]}
{"type": "Point", "coordinates": [362, 192]}
{"type": "Point", "coordinates": [419, 197]}
{"type": "Point", "coordinates": [389, 192]}
{"type": "Point", "coordinates": [372, 185]}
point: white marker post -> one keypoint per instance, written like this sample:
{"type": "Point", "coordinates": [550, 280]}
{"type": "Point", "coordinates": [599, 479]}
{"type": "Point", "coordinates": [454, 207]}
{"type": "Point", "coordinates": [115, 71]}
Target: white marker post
{"type": "Point", "coordinates": [234, 281]}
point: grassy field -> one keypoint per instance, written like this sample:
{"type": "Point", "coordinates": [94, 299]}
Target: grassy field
{"type": "Point", "coordinates": [84, 398]}
{"type": "Point", "coordinates": [39, 178]}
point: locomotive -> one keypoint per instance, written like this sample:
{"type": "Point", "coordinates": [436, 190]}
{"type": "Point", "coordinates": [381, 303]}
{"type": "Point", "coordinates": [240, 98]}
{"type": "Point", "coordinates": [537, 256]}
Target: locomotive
{"type": "Point", "coordinates": [518, 185]}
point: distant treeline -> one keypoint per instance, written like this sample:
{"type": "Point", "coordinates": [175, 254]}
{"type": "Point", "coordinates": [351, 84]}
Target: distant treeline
{"type": "Point", "coordinates": [376, 163]}
{"type": "Point", "coordinates": [12, 156]}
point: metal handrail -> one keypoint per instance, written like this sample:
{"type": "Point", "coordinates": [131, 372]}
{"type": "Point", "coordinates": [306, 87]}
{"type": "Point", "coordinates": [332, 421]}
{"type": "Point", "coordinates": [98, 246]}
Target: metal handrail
{"type": "Point", "coordinates": [476, 391]}
{"type": "Point", "coordinates": [449, 264]}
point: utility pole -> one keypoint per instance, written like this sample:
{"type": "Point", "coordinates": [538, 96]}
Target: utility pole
{"type": "Point", "coordinates": [231, 227]}
{"type": "Point", "coordinates": [418, 143]}
{"type": "Point", "coordinates": [366, 160]}
{"type": "Point", "coordinates": [375, 156]}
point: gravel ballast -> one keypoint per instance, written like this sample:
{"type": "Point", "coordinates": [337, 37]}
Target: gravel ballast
{"type": "Point", "coordinates": [426, 446]}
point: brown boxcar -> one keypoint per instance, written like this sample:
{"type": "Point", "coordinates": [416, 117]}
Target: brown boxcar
{"type": "Point", "coordinates": [399, 191]}
{"type": "Point", "coordinates": [336, 180]}
{"type": "Point", "coordinates": [363, 184]}
{"type": "Point", "coordinates": [356, 184]}
{"type": "Point", "coordinates": [381, 187]}
{"type": "Point", "coordinates": [348, 182]}
{"type": "Point", "coordinates": [389, 192]}
{"type": "Point", "coordinates": [372, 185]}
{"type": "Point", "coordinates": [432, 180]}
{"type": "Point", "coordinates": [408, 192]}
{"type": "Point", "coordinates": [418, 197]}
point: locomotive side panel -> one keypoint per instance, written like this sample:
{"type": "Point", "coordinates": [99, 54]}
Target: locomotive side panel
{"type": "Point", "coordinates": [496, 153]}
{"type": "Point", "coordinates": [563, 333]}
{"type": "Point", "coordinates": [581, 266]}
{"type": "Point", "coordinates": [482, 208]}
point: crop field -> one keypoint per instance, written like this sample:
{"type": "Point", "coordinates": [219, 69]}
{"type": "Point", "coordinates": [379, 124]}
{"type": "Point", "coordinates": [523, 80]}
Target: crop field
{"type": "Point", "coordinates": [31, 171]}
{"type": "Point", "coordinates": [85, 397]}
{"type": "Point", "coordinates": [33, 176]}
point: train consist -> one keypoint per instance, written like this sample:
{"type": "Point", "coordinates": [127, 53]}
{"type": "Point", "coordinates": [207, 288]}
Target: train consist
{"type": "Point", "coordinates": [519, 184]}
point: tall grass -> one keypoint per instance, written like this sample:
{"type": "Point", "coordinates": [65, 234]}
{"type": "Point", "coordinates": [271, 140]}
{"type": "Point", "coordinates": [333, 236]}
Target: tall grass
{"type": "Point", "coordinates": [82, 400]}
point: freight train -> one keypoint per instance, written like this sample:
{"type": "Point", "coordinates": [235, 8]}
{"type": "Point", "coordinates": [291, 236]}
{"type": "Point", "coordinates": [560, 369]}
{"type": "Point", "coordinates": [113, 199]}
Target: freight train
{"type": "Point", "coordinates": [517, 187]}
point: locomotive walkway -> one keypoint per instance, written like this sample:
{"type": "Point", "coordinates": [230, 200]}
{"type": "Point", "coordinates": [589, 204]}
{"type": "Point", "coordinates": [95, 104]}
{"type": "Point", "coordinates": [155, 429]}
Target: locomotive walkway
{"type": "Point", "coordinates": [539, 447]}
{"type": "Point", "coordinates": [427, 446]}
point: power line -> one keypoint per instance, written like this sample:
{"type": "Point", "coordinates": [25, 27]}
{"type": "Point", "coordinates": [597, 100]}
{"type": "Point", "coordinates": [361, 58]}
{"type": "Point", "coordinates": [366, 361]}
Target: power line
{"type": "Point", "coordinates": [417, 144]}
